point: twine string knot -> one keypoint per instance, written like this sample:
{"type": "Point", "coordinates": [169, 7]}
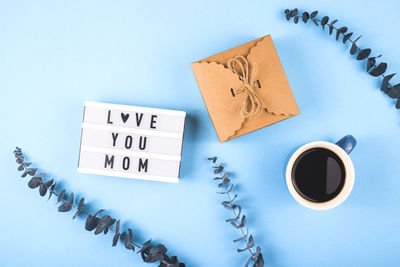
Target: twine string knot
{"type": "Point", "coordinates": [252, 104]}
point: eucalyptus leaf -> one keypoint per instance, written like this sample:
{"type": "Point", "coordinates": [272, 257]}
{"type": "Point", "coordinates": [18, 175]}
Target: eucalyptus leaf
{"type": "Point", "coordinates": [250, 242]}
{"type": "Point", "coordinates": [232, 219]}
{"type": "Point", "coordinates": [48, 183]}
{"type": "Point", "coordinates": [155, 253]}
{"type": "Point", "coordinates": [52, 188]}
{"type": "Point", "coordinates": [331, 27]}
{"type": "Point", "coordinates": [378, 70]}
{"type": "Point", "coordinates": [242, 223]}
{"type": "Point", "coordinates": [339, 31]}
{"type": "Point", "coordinates": [249, 245]}
{"type": "Point", "coordinates": [117, 226]}
{"type": "Point", "coordinates": [19, 159]}
{"type": "Point", "coordinates": [116, 236]}
{"type": "Point", "coordinates": [256, 253]}
{"type": "Point", "coordinates": [65, 207]}
{"type": "Point", "coordinates": [343, 29]}
{"type": "Point", "coordinates": [127, 240]}
{"type": "Point", "coordinates": [45, 186]}
{"type": "Point", "coordinates": [35, 182]}
{"type": "Point", "coordinates": [81, 205]}
{"type": "Point", "coordinates": [145, 246]}
{"type": "Point", "coordinates": [115, 239]}
{"type": "Point", "coordinates": [224, 182]}
{"type": "Point", "coordinates": [347, 37]}
{"type": "Point", "coordinates": [385, 82]}
{"type": "Point", "coordinates": [259, 261]}
{"type": "Point", "coordinates": [364, 54]}
{"type": "Point", "coordinates": [241, 250]}
{"type": "Point", "coordinates": [394, 91]}
{"type": "Point", "coordinates": [42, 190]}
{"type": "Point", "coordinates": [337, 34]}
{"type": "Point", "coordinates": [324, 21]}
{"type": "Point", "coordinates": [92, 221]}
{"type": "Point", "coordinates": [218, 169]}
{"type": "Point", "coordinates": [105, 222]}
{"type": "Point", "coordinates": [314, 14]}
{"type": "Point", "coordinates": [239, 239]}
{"type": "Point", "coordinates": [398, 103]}
{"type": "Point", "coordinates": [305, 16]}
{"type": "Point", "coordinates": [170, 262]}
{"type": "Point", "coordinates": [61, 196]}
{"type": "Point", "coordinates": [71, 198]}
{"type": "Point", "coordinates": [353, 49]}
{"type": "Point", "coordinates": [213, 159]}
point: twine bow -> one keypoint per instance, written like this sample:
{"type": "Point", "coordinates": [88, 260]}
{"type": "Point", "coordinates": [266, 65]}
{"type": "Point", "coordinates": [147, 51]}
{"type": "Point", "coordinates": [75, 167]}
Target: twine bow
{"type": "Point", "coordinates": [252, 104]}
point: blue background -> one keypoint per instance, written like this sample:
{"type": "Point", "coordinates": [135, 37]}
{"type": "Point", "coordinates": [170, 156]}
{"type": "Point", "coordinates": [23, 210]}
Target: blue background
{"type": "Point", "coordinates": [54, 55]}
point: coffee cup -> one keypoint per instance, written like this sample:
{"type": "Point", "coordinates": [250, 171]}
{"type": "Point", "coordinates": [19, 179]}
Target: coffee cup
{"type": "Point", "coordinates": [320, 175]}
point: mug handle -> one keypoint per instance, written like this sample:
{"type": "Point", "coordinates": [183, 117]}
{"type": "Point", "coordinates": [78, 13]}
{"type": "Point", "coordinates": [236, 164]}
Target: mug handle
{"type": "Point", "coordinates": [347, 143]}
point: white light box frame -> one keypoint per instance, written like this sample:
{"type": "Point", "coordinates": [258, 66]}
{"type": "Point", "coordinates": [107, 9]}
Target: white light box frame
{"type": "Point", "coordinates": [132, 142]}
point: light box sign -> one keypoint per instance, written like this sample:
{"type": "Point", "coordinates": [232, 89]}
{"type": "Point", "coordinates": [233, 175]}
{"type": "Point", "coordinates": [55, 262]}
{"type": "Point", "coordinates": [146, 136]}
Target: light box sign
{"type": "Point", "coordinates": [132, 142]}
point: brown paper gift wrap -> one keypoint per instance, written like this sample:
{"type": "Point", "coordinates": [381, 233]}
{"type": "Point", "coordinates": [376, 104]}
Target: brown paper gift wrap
{"type": "Point", "coordinates": [215, 81]}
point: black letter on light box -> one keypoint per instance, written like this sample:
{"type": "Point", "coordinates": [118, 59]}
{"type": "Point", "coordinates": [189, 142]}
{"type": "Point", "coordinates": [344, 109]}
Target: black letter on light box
{"type": "Point", "coordinates": [109, 161]}
{"type": "Point", "coordinates": [109, 117]}
{"type": "Point", "coordinates": [128, 141]}
{"type": "Point", "coordinates": [139, 119]}
{"type": "Point", "coordinates": [114, 137]}
{"type": "Point", "coordinates": [153, 121]}
{"type": "Point", "coordinates": [143, 165]}
{"type": "Point", "coordinates": [142, 144]}
{"type": "Point", "coordinates": [125, 163]}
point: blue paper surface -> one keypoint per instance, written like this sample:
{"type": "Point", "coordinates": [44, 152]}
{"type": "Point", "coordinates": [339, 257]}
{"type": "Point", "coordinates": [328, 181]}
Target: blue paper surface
{"type": "Point", "coordinates": [55, 55]}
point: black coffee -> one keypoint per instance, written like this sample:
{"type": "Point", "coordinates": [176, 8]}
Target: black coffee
{"type": "Point", "coordinates": [318, 175]}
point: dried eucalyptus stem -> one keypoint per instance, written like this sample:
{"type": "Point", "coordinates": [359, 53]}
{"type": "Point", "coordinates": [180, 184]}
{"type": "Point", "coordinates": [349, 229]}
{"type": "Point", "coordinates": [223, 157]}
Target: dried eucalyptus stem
{"type": "Point", "coordinates": [393, 91]}
{"type": "Point", "coordinates": [150, 253]}
{"type": "Point", "coordinates": [239, 220]}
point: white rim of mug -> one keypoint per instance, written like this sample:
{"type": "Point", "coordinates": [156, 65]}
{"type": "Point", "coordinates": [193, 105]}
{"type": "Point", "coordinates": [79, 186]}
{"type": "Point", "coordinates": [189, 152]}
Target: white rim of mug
{"type": "Point", "coordinates": [348, 182]}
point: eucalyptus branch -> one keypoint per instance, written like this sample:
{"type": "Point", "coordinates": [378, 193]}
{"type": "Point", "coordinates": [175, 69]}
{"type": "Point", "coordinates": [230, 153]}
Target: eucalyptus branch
{"type": "Point", "coordinates": [150, 253]}
{"type": "Point", "coordinates": [393, 91]}
{"type": "Point", "coordinates": [239, 220]}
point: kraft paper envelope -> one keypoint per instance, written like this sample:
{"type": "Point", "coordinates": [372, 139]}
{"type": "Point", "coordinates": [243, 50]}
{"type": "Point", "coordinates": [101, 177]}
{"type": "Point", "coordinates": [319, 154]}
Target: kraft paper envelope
{"type": "Point", "coordinates": [216, 80]}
